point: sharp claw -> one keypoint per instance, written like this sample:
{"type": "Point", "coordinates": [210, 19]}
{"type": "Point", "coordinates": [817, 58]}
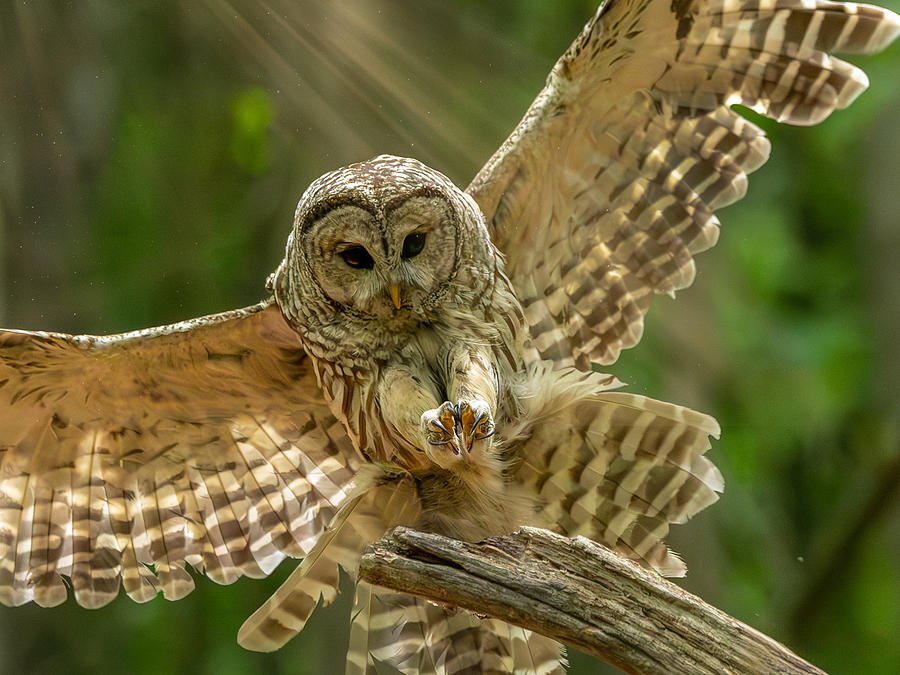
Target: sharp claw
{"type": "Point", "coordinates": [450, 443]}
{"type": "Point", "coordinates": [465, 425]}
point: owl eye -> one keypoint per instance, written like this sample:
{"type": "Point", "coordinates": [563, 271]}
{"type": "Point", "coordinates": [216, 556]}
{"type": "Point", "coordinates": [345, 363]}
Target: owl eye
{"type": "Point", "coordinates": [413, 245]}
{"type": "Point", "coordinates": [357, 257]}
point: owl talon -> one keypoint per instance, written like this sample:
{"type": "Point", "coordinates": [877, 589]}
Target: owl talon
{"type": "Point", "coordinates": [461, 427]}
{"type": "Point", "coordinates": [440, 427]}
{"type": "Point", "coordinates": [440, 434]}
{"type": "Point", "coordinates": [483, 426]}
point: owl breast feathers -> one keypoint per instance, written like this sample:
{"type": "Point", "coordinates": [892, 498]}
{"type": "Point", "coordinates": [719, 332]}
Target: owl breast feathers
{"type": "Point", "coordinates": [427, 355]}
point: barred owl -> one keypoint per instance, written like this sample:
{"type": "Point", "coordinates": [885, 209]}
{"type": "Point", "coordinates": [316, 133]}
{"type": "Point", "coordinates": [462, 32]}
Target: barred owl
{"type": "Point", "coordinates": [426, 356]}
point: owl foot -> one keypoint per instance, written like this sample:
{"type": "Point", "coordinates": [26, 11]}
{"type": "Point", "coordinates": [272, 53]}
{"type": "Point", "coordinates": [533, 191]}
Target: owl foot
{"type": "Point", "coordinates": [457, 430]}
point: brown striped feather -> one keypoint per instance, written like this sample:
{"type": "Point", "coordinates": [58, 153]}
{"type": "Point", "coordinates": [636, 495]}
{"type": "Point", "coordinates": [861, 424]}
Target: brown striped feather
{"type": "Point", "coordinates": [618, 468]}
{"type": "Point", "coordinates": [412, 636]}
{"type": "Point", "coordinates": [206, 443]}
{"type": "Point", "coordinates": [614, 173]}
{"type": "Point", "coordinates": [378, 503]}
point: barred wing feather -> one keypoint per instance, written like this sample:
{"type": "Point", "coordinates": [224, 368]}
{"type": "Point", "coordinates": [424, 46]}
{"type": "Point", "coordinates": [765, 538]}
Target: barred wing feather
{"type": "Point", "coordinates": [615, 171]}
{"type": "Point", "coordinates": [620, 468]}
{"type": "Point", "coordinates": [378, 503]}
{"type": "Point", "coordinates": [124, 457]}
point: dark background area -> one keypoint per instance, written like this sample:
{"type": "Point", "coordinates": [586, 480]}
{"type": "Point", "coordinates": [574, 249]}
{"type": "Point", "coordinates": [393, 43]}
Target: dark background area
{"type": "Point", "coordinates": [151, 154]}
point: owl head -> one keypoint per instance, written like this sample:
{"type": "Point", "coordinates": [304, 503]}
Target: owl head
{"type": "Point", "coordinates": [377, 249]}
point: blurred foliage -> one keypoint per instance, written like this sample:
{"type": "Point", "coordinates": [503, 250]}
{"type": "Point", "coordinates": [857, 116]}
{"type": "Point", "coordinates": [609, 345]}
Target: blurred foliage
{"type": "Point", "coordinates": [150, 157]}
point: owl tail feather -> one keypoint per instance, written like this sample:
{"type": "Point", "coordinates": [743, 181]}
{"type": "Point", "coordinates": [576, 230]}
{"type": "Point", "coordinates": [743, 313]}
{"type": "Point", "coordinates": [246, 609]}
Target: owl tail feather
{"type": "Point", "coordinates": [414, 636]}
{"type": "Point", "coordinates": [378, 503]}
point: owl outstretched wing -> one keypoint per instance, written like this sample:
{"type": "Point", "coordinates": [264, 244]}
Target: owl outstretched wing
{"type": "Point", "coordinates": [613, 174]}
{"type": "Point", "coordinates": [124, 457]}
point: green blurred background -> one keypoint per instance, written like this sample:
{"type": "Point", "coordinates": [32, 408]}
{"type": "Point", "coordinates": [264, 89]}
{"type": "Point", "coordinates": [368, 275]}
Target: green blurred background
{"type": "Point", "coordinates": [152, 152]}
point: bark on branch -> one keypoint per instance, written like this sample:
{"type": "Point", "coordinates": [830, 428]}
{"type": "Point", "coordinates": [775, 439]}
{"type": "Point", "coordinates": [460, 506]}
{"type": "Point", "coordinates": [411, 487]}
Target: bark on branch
{"type": "Point", "coordinates": [581, 594]}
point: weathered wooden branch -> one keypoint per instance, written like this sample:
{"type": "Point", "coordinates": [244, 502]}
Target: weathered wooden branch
{"type": "Point", "coordinates": [581, 594]}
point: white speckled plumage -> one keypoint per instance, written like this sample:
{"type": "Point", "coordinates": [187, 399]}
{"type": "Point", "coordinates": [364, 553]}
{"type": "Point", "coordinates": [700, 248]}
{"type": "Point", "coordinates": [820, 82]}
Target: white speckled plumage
{"type": "Point", "coordinates": [442, 381]}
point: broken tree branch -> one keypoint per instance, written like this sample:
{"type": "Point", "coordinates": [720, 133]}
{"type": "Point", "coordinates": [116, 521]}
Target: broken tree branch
{"type": "Point", "coordinates": [581, 594]}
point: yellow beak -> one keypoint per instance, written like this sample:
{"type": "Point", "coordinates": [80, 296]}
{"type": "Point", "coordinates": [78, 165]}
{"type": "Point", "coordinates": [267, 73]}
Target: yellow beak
{"type": "Point", "coordinates": [395, 295]}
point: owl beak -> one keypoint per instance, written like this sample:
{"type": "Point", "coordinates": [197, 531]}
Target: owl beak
{"type": "Point", "coordinates": [394, 290]}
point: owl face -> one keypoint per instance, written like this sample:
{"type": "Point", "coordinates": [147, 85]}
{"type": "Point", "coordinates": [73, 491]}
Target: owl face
{"type": "Point", "coordinates": [384, 261]}
{"type": "Point", "coordinates": [377, 250]}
